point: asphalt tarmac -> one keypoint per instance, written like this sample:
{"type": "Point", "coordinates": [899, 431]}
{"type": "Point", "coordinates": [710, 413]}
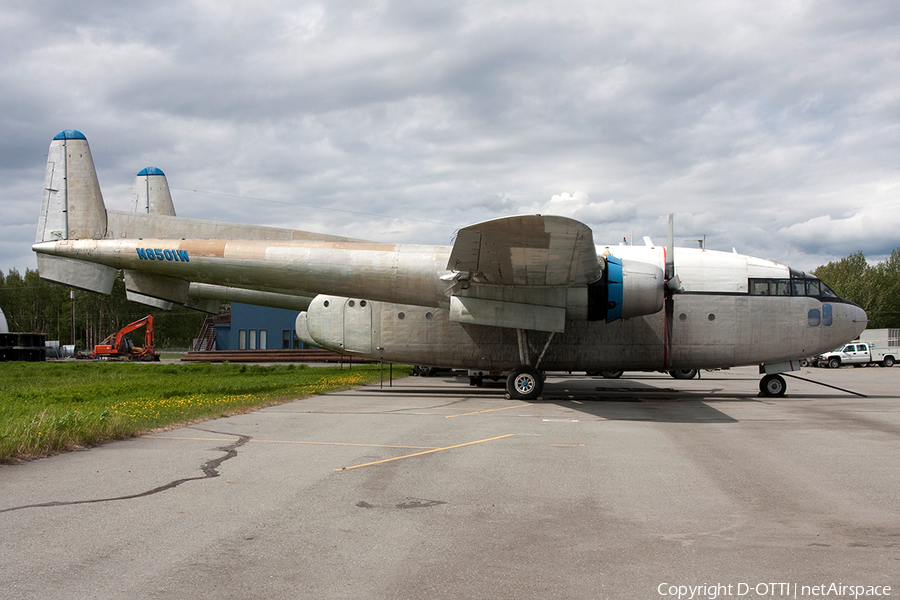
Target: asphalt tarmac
{"type": "Point", "coordinates": [641, 487]}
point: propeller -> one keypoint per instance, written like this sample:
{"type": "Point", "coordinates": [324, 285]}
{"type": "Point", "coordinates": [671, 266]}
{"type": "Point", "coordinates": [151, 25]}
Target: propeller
{"type": "Point", "coordinates": [673, 286]}
{"type": "Point", "coordinates": [673, 283]}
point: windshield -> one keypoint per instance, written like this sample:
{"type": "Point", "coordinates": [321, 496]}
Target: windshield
{"type": "Point", "coordinates": [799, 284]}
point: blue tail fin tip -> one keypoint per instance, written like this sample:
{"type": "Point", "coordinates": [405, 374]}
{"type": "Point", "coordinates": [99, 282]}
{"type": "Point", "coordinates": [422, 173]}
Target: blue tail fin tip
{"type": "Point", "coordinates": [69, 134]}
{"type": "Point", "coordinates": [151, 171]}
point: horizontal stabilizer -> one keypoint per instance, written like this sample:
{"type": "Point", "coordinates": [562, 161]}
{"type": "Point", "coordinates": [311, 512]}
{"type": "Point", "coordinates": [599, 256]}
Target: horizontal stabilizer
{"type": "Point", "coordinates": [148, 300]}
{"type": "Point", "coordinates": [210, 307]}
{"type": "Point", "coordinates": [160, 287]}
{"type": "Point", "coordinates": [530, 250]}
{"type": "Point", "coordinates": [76, 273]}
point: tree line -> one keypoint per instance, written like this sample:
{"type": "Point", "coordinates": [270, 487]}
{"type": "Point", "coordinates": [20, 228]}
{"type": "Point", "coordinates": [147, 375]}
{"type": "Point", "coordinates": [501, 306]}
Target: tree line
{"type": "Point", "coordinates": [31, 304]}
{"type": "Point", "coordinates": [876, 288]}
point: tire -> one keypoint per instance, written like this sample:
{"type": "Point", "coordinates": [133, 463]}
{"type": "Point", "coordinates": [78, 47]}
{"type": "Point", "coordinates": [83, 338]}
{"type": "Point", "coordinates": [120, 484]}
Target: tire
{"type": "Point", "coordinates": [592, 373]}
{"type": "Point", "coordinates": [524, 383]}
{"type": "Point", "coordinates": [683, 373]}
{"type": "Point", "coordinates": [612, 374]}
{"type": "Point", "coordinates": [888, 361]}
{"type": "Point", "coordinates": [772, 386]}
{"type": "Point", "coordinates": [834, 363]}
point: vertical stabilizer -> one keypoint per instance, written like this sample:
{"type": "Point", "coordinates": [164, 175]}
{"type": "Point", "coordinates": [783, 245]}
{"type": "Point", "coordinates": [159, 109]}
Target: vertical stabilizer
{"type": "Point", "coordinates": [72, 208]}
{"type": "Point", "coordinates": [72, 205]}
{"type": "Point", "coordinates": [150, 194]}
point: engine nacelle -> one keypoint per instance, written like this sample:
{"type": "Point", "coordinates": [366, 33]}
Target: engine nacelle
{"type": "Point", "coordinates": [628, 288]}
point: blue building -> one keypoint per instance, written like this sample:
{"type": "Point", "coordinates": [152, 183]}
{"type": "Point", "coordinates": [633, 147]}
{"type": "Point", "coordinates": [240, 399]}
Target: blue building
{"type": "Point", "coordinates": [258, 328]}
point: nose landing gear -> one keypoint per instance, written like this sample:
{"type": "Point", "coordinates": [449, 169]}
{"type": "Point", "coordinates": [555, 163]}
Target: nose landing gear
{"type": "Point", "coordinates": [772, 386]}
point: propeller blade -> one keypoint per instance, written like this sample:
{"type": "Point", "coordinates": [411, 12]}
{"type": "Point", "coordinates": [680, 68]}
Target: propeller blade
{"type": "Point", "coordinates": [673, 282]}
{"type": "Point", "coordinates": [670, 249]}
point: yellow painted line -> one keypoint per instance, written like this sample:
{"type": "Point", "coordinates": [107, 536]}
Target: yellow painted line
{"type": "Point", "coordinates": [172, 437]}
{"type": "Point", "coordinates": [478, 412]}
{"type": "Point", "coordinates": [378, 462]}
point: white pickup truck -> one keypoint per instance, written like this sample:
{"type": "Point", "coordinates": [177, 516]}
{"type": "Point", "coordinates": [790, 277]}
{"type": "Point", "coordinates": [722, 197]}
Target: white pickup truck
{"type": "Point", "coordinates": [858, 354]}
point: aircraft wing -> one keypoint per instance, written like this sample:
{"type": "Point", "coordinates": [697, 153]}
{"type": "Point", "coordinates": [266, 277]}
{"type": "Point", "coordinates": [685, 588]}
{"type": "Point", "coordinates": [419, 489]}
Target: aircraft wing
{"type": "Point", "coordinates": [527, 250]}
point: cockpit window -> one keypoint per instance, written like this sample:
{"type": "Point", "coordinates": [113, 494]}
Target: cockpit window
{"type": "Point", "coordinates": [827, 292]}
{"type": "Point", "coordinates": [800, 284]}
{"type": "Point", "coordinates": [759, 287]}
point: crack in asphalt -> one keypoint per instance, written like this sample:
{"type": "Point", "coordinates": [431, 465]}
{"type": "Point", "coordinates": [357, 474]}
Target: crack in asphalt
{"type": "Point", "coordinates": [209, 468]}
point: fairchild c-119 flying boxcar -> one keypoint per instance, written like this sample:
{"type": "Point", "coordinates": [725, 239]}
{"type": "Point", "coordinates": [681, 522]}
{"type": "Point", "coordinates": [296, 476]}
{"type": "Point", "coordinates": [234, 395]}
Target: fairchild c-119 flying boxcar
{"type": "Point", "coordinates": [522, 294]}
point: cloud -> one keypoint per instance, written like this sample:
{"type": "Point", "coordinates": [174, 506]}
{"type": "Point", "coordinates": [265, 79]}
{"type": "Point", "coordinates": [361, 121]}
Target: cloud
{"type": "Point", "coordinates": [874, 232]}
{"type": "Point", "coordinates": [769, 126]}
{"type": "Point", "coordinates": [579, 206]}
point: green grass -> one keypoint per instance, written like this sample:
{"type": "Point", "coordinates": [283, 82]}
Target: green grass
{"type": "Point", "coordinates": [46, 408]}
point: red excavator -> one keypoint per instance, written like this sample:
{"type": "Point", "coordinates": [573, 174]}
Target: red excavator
{"type": "Point", "coordinates": [119, 347]}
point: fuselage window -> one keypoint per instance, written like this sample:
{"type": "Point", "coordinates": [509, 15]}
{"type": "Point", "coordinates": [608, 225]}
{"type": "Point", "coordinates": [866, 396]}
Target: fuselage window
{"type": "Point", "coordinates": [815, 317]}
{"type": "Point", "coordinates": [826, 315]}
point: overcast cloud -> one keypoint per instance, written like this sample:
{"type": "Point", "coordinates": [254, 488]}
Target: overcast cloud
{"type": "Point", "coordinates": [769, 126]}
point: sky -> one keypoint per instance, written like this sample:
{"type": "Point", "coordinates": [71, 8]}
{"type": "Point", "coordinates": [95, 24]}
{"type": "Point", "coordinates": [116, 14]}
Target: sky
{"type": "Point", "coordinates": [770, 127]}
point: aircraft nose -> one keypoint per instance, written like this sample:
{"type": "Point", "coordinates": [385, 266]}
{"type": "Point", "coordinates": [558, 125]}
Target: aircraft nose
{"type": "Point", "coordinates": [859, 317]}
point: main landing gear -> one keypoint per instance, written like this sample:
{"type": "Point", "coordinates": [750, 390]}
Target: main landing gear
{"type": "Point", "coordinates": [526, 382]}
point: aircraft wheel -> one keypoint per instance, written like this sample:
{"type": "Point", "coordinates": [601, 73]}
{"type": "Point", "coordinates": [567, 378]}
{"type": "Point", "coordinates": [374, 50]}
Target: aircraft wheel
{"type": "Point", "coordinates": [683, 373]}
{"type": "Point", "coordinates": [592, 373]}
{"type": "Point", "coordinates": [772, 386]}
{"type": "Point", "coordinates": [612, 374]}
{"type": "Point", "coordinates": [524, 383]}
